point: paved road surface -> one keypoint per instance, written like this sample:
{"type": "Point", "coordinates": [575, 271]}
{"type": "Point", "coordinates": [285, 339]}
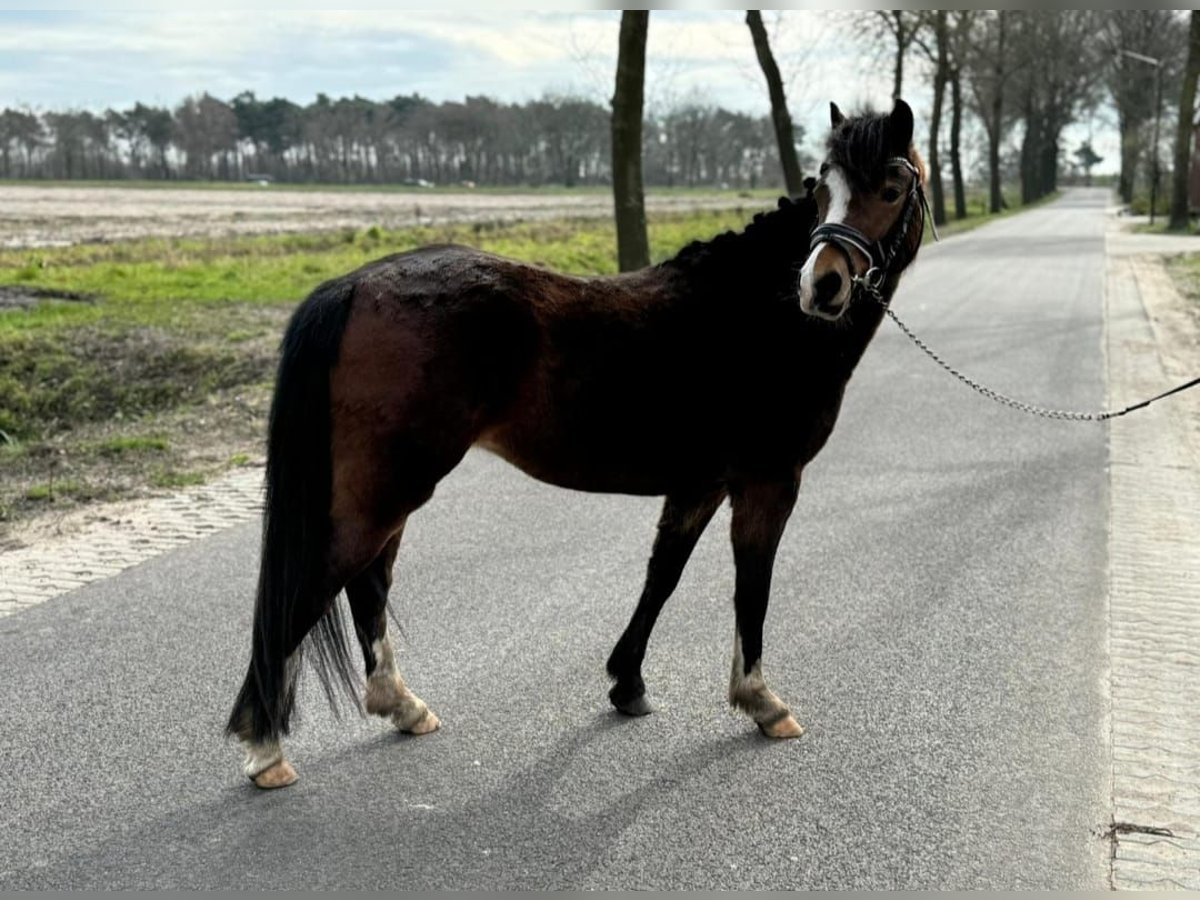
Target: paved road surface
{"type": "Point", "coordinates": [937, 623]}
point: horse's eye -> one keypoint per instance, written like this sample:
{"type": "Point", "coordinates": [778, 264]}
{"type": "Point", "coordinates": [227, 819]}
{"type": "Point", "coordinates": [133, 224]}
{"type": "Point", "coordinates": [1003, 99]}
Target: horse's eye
{"type": "Point", "coordinates": [891, 195]}
{"type": "Point", "coordinates": [824, 168]}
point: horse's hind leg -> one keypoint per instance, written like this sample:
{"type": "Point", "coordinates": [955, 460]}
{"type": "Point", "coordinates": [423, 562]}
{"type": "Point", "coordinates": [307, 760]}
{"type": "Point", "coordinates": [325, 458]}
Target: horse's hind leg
{"type": "Point", "coordinates": [760, 513]}
{"type": "Point", "coordinates": [683, 520]}
{"type": "Point", "coordinates": [387, 694]}
{"type": "Point", "coordinates": [265, 763]}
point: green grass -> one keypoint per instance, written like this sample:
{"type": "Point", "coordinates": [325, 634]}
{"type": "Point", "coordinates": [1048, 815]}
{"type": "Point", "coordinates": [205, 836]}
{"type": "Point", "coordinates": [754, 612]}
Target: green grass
{"type": "Point", "coordinates": [124, 444]}
{"type": "Point", "coordinates": [172, 479]}
{"type": "Point", "coordinates": [50, 491]}
{"type": "Point", "coordinates": [1184, 269]}
{"type": "Point", "coordinates": [1161, 224]}
{"type": "Point", "coordinates": [172, 283]}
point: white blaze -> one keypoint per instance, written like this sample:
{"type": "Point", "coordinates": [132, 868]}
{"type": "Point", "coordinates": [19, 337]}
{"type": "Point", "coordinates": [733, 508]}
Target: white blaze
{"type": "Point", "coordinates": [839, 208]}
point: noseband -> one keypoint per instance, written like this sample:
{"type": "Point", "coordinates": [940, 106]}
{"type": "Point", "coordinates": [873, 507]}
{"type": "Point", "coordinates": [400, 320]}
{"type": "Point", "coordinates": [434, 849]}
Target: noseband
{"type": "Point", "coordinates": [882, 253]}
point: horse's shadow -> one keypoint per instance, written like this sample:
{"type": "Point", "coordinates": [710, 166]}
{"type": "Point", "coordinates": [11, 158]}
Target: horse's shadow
{"type": "Point", "coordinates": [513, 835]}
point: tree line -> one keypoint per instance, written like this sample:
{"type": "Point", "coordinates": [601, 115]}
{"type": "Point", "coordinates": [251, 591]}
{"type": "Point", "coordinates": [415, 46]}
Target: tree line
{"type": "Point", "coordinates": [563, 140]}
{"type": "Point", "coordinates": [1024, 76]}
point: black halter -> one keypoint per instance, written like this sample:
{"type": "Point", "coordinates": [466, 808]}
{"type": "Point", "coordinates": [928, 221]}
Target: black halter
{"type": "Point", "coordinates": [882, 253]}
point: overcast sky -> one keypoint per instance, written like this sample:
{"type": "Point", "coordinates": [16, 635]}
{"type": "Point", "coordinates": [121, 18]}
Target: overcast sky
{"type": "Point", "coordinates": [100, 58]}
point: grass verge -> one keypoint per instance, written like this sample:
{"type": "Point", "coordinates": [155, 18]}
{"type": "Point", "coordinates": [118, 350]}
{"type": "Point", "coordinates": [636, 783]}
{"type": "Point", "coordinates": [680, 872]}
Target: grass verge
{"type": "Point", "coordinates": [1184, 270]}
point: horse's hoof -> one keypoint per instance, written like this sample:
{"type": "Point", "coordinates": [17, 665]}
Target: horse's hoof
{"type": "Point", "coordinates": [279, 775]}
{"type": "Point", "coordinates": [785, 727]}
{"type": "Point", "coordinates": [623, 702]}
{"type": "Point", "coordinates": [426, 724]}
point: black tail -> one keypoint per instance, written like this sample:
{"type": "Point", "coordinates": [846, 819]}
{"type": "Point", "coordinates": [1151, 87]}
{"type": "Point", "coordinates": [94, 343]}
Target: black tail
{"type": "Point", "coordinates": [293, 584]}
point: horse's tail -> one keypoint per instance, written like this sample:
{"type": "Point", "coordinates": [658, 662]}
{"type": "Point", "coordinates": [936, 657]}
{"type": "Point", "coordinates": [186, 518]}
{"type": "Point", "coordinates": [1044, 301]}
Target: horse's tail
{"type": "Point", "coordinates": [293, 574]}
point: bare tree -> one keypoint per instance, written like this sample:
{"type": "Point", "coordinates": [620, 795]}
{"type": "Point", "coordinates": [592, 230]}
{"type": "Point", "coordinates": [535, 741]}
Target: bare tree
{"type": "Point", "coordinates": [1154, 33]}
{"type": "Point", "coordinates": [960, 30]}
{"type": "Point", "coordinates": [1183, 132]}
{"type": "Point", "coordinates": [1063, 71]}
{"type": "Point", "coordinates": [933, 39]}
{"type": "Point", "coordinates": [206, 131]}
{"type": "Point", "coordinates": [633, 247]}
{"type": "Point", "coordinates": [894, 29]}
{"type": "Point", "coordinates": [989, 64]}
{"type": "Point", "coordinates": [784, 136]}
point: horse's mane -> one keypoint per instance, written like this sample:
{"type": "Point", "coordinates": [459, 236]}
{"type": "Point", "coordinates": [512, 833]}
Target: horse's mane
{"type": "Point", "coordinates": [781, 233]}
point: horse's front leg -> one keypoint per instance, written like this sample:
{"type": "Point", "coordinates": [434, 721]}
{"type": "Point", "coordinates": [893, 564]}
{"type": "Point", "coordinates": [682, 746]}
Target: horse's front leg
{"type": "Point", "coordinates": [760, 513]}
{"type": "Point", "coordinates": [684, 518]}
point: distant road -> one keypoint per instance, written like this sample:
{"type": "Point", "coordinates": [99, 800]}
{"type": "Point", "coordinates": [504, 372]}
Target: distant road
{"type": "Point", "coordinates": [38, 215]}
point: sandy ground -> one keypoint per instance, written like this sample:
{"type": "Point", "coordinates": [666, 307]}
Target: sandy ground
{"type": "Point", "coordinates": [37, 216]}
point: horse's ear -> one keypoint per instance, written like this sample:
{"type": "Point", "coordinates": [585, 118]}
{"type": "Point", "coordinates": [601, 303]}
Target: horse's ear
{"type": "Point", "coordinates": [835, 115]}
{"type": "Point", "coordinates": [901, 121]}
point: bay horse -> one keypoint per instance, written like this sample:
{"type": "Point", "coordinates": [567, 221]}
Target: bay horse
{"type": "Point", "coordinates": [717, 374]}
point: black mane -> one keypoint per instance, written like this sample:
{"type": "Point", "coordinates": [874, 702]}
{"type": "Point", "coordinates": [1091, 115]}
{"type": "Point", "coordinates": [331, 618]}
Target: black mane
{"type": "Point", "coordinates": [774, 241]}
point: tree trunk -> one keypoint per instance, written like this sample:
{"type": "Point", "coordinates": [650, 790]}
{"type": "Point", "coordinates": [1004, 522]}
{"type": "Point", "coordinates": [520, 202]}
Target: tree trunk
{"type": "Point", "coordinates": [633, 247]}
{"type": "Point", "coordinates": [792, 177]}
{"type": "Point", "coordinates": [1048, 168]}
{"type": "Point", "coordinates": [960, 191]}
{"type": "Point", "coordinates": [996, 125]}
{"type": "Point", "coordinates": [1183, 133]}
{"type": "Point", "coordinates": [940, 76]}
{"type": "Point", "coordinates": [1129, 156]}
{"type": "Point", "coordinates": [901, 46]}
{"type": "Point", "coordinates": [1030, 151]}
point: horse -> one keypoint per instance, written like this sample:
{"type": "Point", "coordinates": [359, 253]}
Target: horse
{"type": "Point", "coordinates": [715, 375]}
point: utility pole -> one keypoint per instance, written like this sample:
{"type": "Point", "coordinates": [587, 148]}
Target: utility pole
{"type": "Point", "coordinates": [1158, 70]}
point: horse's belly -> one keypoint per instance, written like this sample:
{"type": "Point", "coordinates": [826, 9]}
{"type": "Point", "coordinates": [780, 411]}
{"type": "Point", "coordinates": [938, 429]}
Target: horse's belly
{"type": "Point", "coordinates": [616, 463]}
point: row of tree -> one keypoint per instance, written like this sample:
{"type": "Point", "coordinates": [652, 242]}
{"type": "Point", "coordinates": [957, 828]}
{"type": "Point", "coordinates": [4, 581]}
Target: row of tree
{"type": "Point", "coordinates": [555, 140]}
{"type": "Point", "coordinates": [1032, 73]}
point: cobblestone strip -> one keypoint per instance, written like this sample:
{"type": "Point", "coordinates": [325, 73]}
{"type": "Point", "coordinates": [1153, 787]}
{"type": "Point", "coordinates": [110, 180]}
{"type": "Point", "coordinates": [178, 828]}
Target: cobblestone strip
{"type": "Point", "coordinates": [126, 535]}
{"type": "Point", "coordinates": [1154, 546]}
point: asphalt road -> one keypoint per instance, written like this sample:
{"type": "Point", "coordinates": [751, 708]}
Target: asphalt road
{"type": "Point", "coordinates": [937, 624]}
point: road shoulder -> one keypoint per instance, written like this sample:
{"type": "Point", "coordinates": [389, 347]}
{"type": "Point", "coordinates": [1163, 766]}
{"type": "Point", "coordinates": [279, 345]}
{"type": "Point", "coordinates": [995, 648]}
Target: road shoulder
{"type": "Point", "coordinates": [96, 543]}
{"type": "Point", "coordinates": [1154, 552]}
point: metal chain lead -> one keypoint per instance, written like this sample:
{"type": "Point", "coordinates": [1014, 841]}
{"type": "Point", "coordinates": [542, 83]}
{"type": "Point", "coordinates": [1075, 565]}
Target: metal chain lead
{"type": "Point", "coordinates": [871, 283]}
{"type": "Point", "coordinates": [1030, 408]}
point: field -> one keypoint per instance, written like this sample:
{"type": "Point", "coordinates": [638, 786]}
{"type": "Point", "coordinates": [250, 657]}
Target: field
{"type": "Point", "coordinates": [139, 357]}
{"type": "Point", "coordinates": [33, 215]}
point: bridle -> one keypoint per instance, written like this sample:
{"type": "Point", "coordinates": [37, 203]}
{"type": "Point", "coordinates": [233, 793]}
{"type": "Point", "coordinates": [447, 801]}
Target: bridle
{"type": "Point", "coordinates": [882, 253]}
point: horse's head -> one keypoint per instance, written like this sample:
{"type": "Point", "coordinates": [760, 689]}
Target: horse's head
{"type": "Point", "coordinates": [870, 210]}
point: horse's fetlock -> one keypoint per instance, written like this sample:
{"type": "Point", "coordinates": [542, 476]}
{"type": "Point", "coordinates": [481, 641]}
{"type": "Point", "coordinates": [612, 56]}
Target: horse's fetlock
{"type": "Point", "coordinates": [386, 694]}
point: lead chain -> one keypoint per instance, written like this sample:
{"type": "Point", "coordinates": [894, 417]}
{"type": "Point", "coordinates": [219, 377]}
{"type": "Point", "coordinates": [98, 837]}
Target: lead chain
{"type": "Point", "coordinates": [1030, 408]}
